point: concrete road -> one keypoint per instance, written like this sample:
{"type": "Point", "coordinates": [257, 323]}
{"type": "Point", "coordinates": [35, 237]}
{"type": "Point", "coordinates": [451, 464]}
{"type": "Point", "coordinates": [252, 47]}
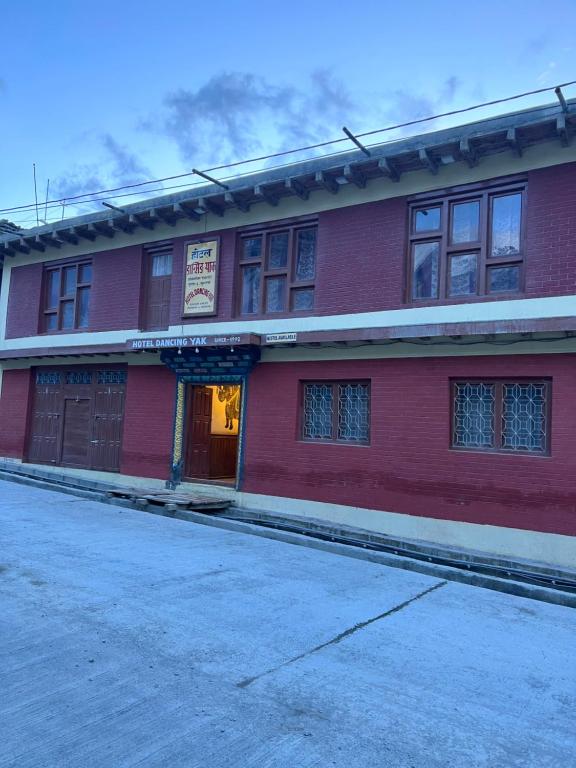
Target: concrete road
{"type": "Point", "coordinates": [128, 639]}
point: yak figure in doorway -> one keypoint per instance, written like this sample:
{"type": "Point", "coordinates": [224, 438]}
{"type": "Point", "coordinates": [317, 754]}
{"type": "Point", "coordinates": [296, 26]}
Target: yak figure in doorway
{"type": "Point", "coordinates": [231, 396]}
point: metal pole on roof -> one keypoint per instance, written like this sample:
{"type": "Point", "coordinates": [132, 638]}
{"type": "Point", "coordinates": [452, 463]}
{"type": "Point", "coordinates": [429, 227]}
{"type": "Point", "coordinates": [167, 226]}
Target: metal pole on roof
{"type": "Point", "coordinates": [210, 178]}
{"type": "Point", "coordinates": [35, 194]}
{"type": "Point", "coordinates": [355, 140]}
{"type": "Point", "coordinates": [561, 99]}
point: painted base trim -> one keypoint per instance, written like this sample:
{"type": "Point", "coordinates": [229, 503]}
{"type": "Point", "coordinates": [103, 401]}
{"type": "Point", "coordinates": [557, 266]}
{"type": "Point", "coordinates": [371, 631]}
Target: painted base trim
{"type": "Point", "coordinates": [513, 543]}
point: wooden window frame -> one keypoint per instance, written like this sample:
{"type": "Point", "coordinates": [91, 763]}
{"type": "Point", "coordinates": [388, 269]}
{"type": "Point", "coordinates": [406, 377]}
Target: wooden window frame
{"type": "Point", "coordinates": [498, 401]}
{"type": "Point", "coordinates": [446, 200]}
{"type": "Point", "coordinates": [63, 298]}
{"type": "Point", "coordinates": [334, 383]}
{"type": "Point", "coordinates": [148, 253]}
{"type": "Point", "coordinates": [289, 272]}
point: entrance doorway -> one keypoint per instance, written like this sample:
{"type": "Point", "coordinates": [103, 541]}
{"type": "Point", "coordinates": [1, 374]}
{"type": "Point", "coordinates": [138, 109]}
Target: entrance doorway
{"type": "Point", "coordinates": [212, 429]}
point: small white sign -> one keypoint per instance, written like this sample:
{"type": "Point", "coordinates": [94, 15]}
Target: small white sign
{"type": "Point", "coordinates": [277, 338]}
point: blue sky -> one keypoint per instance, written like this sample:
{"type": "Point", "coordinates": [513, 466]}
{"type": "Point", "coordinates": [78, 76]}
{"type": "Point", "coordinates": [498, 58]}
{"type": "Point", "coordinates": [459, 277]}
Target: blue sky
{"type": "Point", "coordinates": [108, 93]}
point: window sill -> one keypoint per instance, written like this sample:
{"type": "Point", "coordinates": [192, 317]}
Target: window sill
{"type": "Point", "coordinates": [502, 452]}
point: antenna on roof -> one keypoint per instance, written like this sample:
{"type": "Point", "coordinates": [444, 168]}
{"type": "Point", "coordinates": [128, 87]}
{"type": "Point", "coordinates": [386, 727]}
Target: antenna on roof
{"type": "Point", "coordinates": [355, 140]}
{"type": "Point", "coordinates": [35, 194]}
{"type": "Point", "coordinates": [561, 99]}
{"type": "Point", "coordinates": [46, 201]}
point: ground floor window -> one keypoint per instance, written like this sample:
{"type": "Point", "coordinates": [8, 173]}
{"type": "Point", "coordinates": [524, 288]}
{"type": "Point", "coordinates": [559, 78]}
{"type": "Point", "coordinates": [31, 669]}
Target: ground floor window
{"type": "Point", "coordinates": [336, 411]}
{"type": "Point", "coordinates": [501, 415]}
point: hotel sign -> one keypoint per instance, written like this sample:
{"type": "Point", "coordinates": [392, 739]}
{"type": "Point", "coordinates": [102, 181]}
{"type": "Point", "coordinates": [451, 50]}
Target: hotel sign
{"type": "Point", "coordinates": [187, 342]}
{"type": "Point", "coordinates": [201, 279]}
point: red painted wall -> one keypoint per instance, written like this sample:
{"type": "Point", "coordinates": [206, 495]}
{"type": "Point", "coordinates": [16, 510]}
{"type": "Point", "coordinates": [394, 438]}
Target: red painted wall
{"type": "Point", "coordinates": [148, 421]}
{"type": "Point", "coordinates": [13, 412]}
{"type": "Point", "coordinates": [409, 467]}
{"type": "Point", "coordinates": [370, 239]}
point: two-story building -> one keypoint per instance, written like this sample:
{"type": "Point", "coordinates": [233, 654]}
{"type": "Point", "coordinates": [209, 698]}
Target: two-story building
{"type": "Point", "coordinates": [386, 339]}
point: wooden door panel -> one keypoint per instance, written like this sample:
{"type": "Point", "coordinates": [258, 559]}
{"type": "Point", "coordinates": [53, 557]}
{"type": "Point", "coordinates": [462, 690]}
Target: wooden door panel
{"type": "Point", "coordinates": [45, 426]}
{"type": "Point", "coordinates": [197, 464]}
{"type": "Point", "coordinates": [76, 432]}
{"type": "Point", "coordinates": [107, 428]}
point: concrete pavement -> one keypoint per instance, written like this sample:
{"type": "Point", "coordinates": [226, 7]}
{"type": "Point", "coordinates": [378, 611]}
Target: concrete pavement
{"type": "Point", "coordinates": [133, 640]}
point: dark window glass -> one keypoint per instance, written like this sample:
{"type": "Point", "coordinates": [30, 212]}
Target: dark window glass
{"type": "Point", "coordinates": [83, 298]}
{"type": "Point", "coordinates": [302, 298]}
{"type": "Point", "coordinates": [478, 246]}
{"type": "Point", "coordinates": [353, 413]}
{"type": "Point", "coordinates": [474, 409]}
{"type": "Point", "coordinates": [69, 281]}
{"type": "Point", "coordinates": [336, 411]}
{"type": "Point", "coordinates": [427, 219]}
{"type": "Point", "coordinates": [502, 279]}
{"type": "Point", "coordinates": [67, 297]}
{"type": "Point", "coordinates": [278, 257]}
{"type": "Point", "coordinates": [250, 290]}
{"type": "Point", "coordinates": [275, 294]}
{"type": "Point", "coordinates": [524, 417]}
{"type": "Point", "coordinates": [51, 322]}
{"type": "Point", "coordinates": [277, 270]}
{"type": "Point", "coordinates": [506, 218]}
{"type": "Point", "coordinates": [463, 274]}
{"type": "Point", "coordinates": [306, 255]}
{"type": "Point", "coordinates": [252, 248]}
{"type": "Point", "coordinates": [53, 289]}
{"type": "Point", "coordinates": [465, 222]}
{"type": "Point", "coordinates": [501, 415]}
{"type": "Point", "coordinates": [425, 271]}
{"type": "Point", "coordinates": [318, 411]}
{"type": "Point", "coordinates": [67, 314]}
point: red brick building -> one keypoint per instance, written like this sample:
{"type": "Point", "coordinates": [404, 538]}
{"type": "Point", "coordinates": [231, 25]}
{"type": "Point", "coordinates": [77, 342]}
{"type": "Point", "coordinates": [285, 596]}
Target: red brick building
{"type": "Point", "coordinates": [384, 340]}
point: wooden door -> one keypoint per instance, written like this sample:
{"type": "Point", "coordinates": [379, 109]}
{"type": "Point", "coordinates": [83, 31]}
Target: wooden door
{"type": "Point", "coordinates": [107, 423]}
{"type": "Point", "coordinates": [76, 432]}
{"type": "Point", "coordinates": [199, 421]}
{"type": "Point", "coordinates": [158, 283]}
{"type": "Point", "coordinates": [45, 425]}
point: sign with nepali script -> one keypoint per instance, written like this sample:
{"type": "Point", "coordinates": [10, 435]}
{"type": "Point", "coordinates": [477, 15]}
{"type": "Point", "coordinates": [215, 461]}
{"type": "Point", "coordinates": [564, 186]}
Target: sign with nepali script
{"type": "Point", "coordinates": [201, 278]}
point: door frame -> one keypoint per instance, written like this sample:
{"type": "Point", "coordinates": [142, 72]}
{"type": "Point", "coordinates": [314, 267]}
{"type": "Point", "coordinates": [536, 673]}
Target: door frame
{"type": "Point", "coordinates": [180, 420]}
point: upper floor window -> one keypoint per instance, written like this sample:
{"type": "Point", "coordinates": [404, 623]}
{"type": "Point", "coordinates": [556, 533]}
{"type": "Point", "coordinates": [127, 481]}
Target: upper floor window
{"type": "Point", "coordinates": [157, 287]}
{"type": "Point", "coordinates": [277, 270]}
{"type": "Point", "coordinates": [467, 244]}
{"type": "Point", "coordinates": [67, 296]}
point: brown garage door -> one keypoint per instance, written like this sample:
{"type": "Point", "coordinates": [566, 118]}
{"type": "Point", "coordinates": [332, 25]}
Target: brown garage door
{"type": "Point", "coordinates": [77, 417]}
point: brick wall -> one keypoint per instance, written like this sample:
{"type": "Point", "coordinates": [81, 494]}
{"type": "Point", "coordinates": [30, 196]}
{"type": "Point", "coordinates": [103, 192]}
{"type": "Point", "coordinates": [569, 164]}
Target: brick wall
{"type": "Point", "coordinates": [148, 422]}
{"type": "Point", "coordinates": [13, 413]}
{"type": "Point", "coordinates": [361, 262]}
{"type": "Point", "coordinates": [409, 467]}
{"type": "Point", "coordinates": [24, 295]}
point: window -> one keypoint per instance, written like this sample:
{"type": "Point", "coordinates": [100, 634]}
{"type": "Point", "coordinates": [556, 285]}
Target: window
{"type": "Point", "coordinates": [467, 244]}
{"type": "Point", "coordinates": [157, 287]}
{"type": "Point", "coordinates": [67, 297]}
{"type": "Point", "coordinates": [277, 270]}
{"type": "Point", "coordinates": [501, 415]}
{"type": "Point", "coordinates": [336, 412]}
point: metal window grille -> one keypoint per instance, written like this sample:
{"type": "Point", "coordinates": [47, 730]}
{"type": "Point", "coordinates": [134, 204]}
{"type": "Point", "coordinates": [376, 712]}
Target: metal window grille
{"type": "Point", "coordinates": [78, 377]}
{"type": "Point", "coordinates": [111, 377]}
{"type": "Point", "coordinates": [524, 417]}
{"type": "Point", "coordinates": [353, 413]}
{"type": "Point", "coordinates": [51, 377]}
{"type": "Point", "coordinates": [474, 409]}
{"type": "Point", "coordinates": [318, 411]}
